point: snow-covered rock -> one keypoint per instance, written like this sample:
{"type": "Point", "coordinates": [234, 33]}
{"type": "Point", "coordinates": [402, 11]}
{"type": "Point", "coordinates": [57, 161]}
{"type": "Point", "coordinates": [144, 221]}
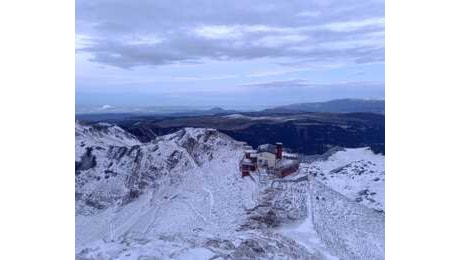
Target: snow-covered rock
{"type": "Point", "coordinates": [357, 173]}
{"type": "Point", "coordinates": [113, 167]}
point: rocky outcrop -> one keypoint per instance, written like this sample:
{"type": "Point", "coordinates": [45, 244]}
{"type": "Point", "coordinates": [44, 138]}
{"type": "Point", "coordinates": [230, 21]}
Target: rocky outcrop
{"type": "Point", "coordinates": [112, 167]}
{"type": "Point", "coordinates": [86, 162]}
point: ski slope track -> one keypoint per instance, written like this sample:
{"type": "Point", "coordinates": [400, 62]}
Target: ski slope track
{"type": "Point", "coordinates": [181, 196]}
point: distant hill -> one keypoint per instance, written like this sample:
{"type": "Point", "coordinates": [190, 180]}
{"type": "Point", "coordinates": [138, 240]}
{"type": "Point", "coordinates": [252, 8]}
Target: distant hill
{"type": "Point", "coordinates": [307, 133]}
{"type": "Point", "coordinates": [208, 112]}
{"type": "Point", "coordinates": [333, 106]}
{"type": "Point", "coordinates": [146, 114]}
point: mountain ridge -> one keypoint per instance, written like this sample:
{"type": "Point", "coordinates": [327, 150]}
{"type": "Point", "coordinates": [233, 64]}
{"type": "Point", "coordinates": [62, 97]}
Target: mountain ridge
{"type": "Point", "coordinates": [346, 105]}
{"type": "Point", "coordinates": [333, 106]}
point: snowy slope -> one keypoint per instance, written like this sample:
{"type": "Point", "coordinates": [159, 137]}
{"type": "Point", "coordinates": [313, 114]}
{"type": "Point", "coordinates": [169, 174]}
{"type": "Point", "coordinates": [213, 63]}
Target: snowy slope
{"type": "Point", "coordinates": [182, 197]}
{"type": "Point", "coordinates": [357, 173]}
{"type": "Point", "coordinates": [185, 204]}
{"type": "Point", "coordinates": [349, 229]}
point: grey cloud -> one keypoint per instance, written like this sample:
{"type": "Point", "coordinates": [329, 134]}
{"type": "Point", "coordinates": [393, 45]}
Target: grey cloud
{"type": "Point", "coordinates": [242, 30]}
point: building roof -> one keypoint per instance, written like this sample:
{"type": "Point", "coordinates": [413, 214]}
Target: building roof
{"type": "Point", "coordinates": [292, 155]}
{"type": "Point", "coordinates": [270, 148]}
{"type": "Point", "coordinates": [274, 155]}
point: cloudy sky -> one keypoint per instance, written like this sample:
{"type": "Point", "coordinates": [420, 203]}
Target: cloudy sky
{"type": "Point", "coordinates": [239, 53]}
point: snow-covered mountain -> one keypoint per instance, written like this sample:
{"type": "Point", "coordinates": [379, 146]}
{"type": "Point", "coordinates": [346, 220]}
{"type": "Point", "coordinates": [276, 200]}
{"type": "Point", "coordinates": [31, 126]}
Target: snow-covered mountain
{"type": "Point", "coordinates": [181, 196]}
{"type": "Point", "coordinates": [113, 168]}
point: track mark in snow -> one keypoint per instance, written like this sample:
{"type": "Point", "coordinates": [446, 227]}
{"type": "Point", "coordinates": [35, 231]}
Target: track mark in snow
{"type": "Point", "coordinates": [303, 232]}
{"type": "Point", "coordinates": [157, 209]}
{"type": "Point", "coordinates": [153, 220]}
{"type": "Point", "coordinates": [211, 201]}
{"type": "Point", "coordinates": [196, 211]}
